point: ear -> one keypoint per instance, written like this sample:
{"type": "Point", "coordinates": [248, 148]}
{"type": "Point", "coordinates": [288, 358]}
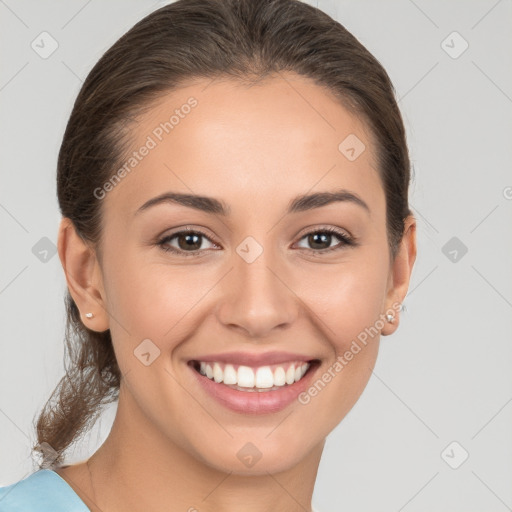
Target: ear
{"type": "Point", "coordinates": [83, 276]}
{"type": "Point", "coordinates": [400, 274]}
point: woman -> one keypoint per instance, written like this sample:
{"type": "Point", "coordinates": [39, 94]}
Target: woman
{"type": "Point", "coordinates": [236, 237]}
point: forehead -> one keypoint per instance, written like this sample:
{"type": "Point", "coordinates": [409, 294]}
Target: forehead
{"type": "Point", "coordinates": [252, 144]}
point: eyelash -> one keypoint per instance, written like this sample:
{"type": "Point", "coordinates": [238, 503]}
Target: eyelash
{"type": "Point", "coordinates": [345, 241]}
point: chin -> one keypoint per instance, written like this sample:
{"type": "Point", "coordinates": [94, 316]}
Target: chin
{"type": "Point", "coordinates": [248, 456]}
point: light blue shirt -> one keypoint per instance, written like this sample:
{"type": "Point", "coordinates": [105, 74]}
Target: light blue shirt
{"type": "Point", "coordinates": [42, 491]}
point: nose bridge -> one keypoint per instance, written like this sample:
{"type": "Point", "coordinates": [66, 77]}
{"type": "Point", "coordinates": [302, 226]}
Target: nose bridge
{"type": "Point", "coordinates": [257, 298]}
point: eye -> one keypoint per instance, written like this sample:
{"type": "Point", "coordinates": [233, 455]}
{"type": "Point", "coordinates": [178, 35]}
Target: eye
{"type": "Point", "coordinates": [189, 242]}
{"type": "Point", "coordinates": [320, 240]}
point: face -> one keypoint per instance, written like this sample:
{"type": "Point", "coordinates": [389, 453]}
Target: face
{"type": "Point", "coordinates": [250, 286]}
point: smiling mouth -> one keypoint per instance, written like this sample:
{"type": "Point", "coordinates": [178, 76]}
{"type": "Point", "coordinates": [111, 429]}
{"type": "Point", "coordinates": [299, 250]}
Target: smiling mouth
{"type": "Point", "coordinates": [254, 379]}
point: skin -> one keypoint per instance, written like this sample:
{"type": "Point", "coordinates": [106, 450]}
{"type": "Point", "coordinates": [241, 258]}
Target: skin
{"type": "Point", "coordinates": [256, 148]}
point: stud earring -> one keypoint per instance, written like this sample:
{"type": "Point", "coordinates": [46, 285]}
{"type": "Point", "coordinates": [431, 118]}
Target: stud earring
{"type": "Point", "coordinates": [89, 315]}
{"type": "Point", "coordinates": [390, 318]}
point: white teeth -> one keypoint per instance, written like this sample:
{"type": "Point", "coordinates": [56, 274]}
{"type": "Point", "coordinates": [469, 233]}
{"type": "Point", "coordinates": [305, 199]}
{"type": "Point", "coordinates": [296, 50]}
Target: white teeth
{"type": "Point", "coordinates": [290, 375]}
{"type": "Point", "coordinates": [262, 378]}
{"type": "Point", "coordinates": [218, 374]}
{"type": "Point", "coordinates": [245, 377]}
{"type": "Point", "coordinates": [230, 376]}
{"type": "Point", "coordinates": [279, 376]}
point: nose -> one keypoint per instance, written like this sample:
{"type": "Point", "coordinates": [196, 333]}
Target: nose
{"type": "Point", "coordinates": [256, 299]}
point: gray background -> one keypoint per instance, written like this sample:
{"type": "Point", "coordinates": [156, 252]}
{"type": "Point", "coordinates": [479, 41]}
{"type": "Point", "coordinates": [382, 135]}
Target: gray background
{"type": "Point", "coordinates": [444, 376]}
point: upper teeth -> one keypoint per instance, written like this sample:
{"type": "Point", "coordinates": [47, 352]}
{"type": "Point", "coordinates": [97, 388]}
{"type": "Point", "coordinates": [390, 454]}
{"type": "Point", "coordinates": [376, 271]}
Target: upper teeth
{"type": "Point", "coordinates": [261, 377]}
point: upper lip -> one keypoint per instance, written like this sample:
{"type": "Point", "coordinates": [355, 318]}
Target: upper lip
{"type": "Point", "coordinates": [251, 359]}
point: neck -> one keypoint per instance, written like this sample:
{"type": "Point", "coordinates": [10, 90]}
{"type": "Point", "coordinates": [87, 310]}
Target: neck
{"type": "Point", "coordinates": [137, 468]}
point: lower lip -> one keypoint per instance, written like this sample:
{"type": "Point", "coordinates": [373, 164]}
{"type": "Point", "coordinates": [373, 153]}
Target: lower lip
{"type": "Point", "coordinates": [255, 402]}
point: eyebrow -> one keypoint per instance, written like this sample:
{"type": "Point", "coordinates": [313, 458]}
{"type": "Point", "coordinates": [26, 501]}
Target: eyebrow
{"type": "Point", "coordinates": [211, 205]}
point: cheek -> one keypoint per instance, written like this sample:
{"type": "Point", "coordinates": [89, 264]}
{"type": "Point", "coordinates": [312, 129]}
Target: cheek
{"type": "Point", "coordinates": [347, 297]}
{"type": "Point", "coordinates": [148, 299]}
{"type": "Point", "coordinates": [349, 304]}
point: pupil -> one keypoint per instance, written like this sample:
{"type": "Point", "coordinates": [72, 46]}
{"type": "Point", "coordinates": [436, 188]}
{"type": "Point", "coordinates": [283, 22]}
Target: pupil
{"type": "Point", "coordinates": [193, 245]}
{"type": "Point", "coordinates": [320, 238]}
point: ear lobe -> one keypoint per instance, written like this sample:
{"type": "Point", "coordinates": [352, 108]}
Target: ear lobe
{"type": "Point", "coordinates": [401, 271]}
{"type": "Point", "coordinates": [83, 276]}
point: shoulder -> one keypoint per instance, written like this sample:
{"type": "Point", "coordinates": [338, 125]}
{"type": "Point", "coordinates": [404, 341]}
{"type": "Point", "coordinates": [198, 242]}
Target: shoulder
{"type": "Point", "coordinates": [42, 491]}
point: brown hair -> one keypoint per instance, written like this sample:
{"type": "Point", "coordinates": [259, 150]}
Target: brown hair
{"type": "Point", "coordinates": [244, 40]}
